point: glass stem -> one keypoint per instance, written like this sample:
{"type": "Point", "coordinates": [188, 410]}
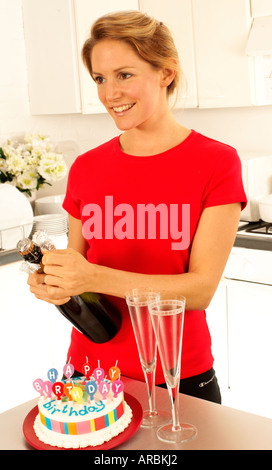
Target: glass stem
{"type": "Point", "coordinates": [150, 383]}
{"type": "Point", "coordinates": [174, 396]}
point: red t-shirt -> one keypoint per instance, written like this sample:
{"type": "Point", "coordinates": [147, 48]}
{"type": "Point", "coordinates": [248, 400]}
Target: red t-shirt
{"type": "Point", "coordinates": [114, 188]}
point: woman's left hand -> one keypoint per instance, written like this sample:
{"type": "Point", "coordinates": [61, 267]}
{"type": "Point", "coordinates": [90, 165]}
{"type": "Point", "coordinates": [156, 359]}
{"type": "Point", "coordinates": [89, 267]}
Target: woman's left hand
{"type": "Point", "coordinates": [67, 272]}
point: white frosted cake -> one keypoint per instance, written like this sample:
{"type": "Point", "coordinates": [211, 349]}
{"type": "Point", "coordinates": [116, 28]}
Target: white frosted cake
{"type": "Point", "coordinates": [81, 412]}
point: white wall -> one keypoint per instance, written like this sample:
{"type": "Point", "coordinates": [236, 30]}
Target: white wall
{"type": "Point", "coordinates": [247, 129]}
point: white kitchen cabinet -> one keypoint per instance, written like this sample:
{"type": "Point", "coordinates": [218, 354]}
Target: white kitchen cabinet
{"type": "Point", "coordinates": [86, 13]}
{"type": "Point", "coordinates": [211, 39]}
{"type": "Point", "coordinates": [34, 337]}
{"type": "Point", "coordinates": [178, 17]}
{"type": "Point", "coordinates": [55, 31]}
{"type": "Point", "coordinates": [261, 8]}
{"type": "Point", "coordinates": [259, 47]}
{"type": "Point", "coordinates": [225, 75]}
{"type": "Point", "coordinates": [210, 35]}
{"type": "Point", "coordinates": [250, 346]}
{"type": "Point", "coordinates": [216, 315]}
{"type": "Point", "coordinates": [240, 322]}
{"type": "Point", "coordinates": [51, 55]}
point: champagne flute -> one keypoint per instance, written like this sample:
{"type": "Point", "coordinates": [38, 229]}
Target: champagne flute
{"type": "Point", "coordinates": [138, 301]}
{"type": "Point", "coordinates": [167, 318]}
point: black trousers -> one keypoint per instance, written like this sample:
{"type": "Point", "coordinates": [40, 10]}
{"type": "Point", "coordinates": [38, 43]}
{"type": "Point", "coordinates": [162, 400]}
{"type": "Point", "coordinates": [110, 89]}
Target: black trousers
{"type": "Point", "coordinates": [203, 386]}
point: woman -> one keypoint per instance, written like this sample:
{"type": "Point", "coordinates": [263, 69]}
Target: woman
{"type": "Point", "coordinates": [157, 206]}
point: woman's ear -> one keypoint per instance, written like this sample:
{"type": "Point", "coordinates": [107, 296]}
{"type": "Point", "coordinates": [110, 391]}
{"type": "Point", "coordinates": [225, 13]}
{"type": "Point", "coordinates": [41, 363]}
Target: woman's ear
{"type": "Point", "coordinates": [167, 76]}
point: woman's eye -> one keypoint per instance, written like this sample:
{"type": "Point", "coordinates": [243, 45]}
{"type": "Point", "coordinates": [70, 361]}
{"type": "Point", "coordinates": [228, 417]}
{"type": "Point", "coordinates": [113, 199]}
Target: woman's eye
{"type": "Point", "coordinates": [125, 75]}
{"type": "Point", "coordinates": [99, 80]}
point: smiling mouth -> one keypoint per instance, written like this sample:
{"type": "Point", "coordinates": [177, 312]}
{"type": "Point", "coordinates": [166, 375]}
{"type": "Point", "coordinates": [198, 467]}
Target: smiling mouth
{"type": "Point", "coordinates": [120, 109]}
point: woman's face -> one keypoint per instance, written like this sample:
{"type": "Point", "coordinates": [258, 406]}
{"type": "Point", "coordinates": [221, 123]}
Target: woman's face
{"type": "Point", "coordinates": [129, 87]}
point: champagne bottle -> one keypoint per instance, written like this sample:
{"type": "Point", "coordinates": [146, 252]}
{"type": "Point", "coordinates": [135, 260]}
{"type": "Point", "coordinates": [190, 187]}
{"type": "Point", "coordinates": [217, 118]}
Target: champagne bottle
{"type": "Point", "coordinates": [91, 313]}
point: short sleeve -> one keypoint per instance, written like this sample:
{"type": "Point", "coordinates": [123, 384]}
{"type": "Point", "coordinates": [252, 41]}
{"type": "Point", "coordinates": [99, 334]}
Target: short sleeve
{"type": "Point", "coordinates": [225, 185]}
{"type": "Point", "coordinates": [70, 203]}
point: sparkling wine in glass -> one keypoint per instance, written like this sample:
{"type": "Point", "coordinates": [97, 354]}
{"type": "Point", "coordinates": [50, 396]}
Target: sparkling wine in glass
{"type": "Point", "coordinates": [138, 301]}
{"type": "Point", "coordinates": [167, 319]}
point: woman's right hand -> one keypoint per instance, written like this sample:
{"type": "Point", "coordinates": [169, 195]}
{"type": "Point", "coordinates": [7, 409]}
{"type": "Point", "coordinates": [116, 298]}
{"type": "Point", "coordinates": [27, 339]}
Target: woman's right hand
{"type": "Point", "coordinates": [41, 290]}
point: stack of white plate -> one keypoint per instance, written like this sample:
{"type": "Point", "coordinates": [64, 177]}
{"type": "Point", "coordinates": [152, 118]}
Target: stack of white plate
{"type": "Point", "coordinates": [50, 205]}
{"type": "Point", "coordinates": [54, 225]}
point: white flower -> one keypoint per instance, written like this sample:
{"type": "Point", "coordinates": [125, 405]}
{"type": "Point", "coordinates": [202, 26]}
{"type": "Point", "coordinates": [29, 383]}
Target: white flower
{"type": "Point", "coordinates": [27, 180]}
{"type": "Point", "coordinates": [52, 166]}
{"type": "Point", "coordinates": [39, 143]}
{"type": "Point", "coordinates": [32, 160]}
{"type": "Point", "coordinates": [30, 164]}
{"type": "Point", "coordinates": [15, 163]}
{"type": "Point", "coordinates": [8, 149]}
{"type": "Point", "coordinates": [3, 166]}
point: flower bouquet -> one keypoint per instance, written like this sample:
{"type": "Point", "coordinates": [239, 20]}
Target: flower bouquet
{"type": "Point", "coordinates": [31, 164]}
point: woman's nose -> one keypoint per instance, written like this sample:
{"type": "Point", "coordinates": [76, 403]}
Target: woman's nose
{"type": "Point", "coordinates": [112, 90]}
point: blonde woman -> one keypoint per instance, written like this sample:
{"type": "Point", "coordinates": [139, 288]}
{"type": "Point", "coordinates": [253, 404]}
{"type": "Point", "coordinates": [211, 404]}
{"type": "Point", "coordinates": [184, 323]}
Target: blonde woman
{"type": "Point", "coordinates": [156, 206]}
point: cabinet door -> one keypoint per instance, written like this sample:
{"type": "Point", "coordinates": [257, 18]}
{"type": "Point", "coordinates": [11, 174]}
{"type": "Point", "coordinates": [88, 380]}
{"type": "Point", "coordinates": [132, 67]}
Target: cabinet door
{"type": "Point", "coordinates": [224, 72]}
{"type": "Point", "coordinates": [51, 56]}
{"type": "Point", "coordinates": [86, 12]}
{"type": "Point", "coordinates": [261, 8]}
{"type": "Point", "coordinates": [250, 346]}
{"type": "Point", "coordinates": [217, 321]}
{"type": "Point", "coordinates": [178, 17]}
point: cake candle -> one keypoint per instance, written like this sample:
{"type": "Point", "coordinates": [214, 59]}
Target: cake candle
{"type": "Point", "coordinates": [77, 394]}
{"type": "Point", "coordinates": [86, 369]}
{"type": "Point", "coordinates": [99, 373]}
{"type": "Point", "coordinates": [104, 388]}
{"type": "Point", "coordinates": [91, 388]}
{"type": "Point", "coordinates": [48, 388]}
{"type": "Point", "coordinates": [67, 390]}
{"type": "Point", "coordinates": [117, 387]}
{"type": "Point", "coordinates": [38, 384]}
{"type": "Point", "coordinates": [114, 372]}
{"type": "Point", "coordinates": [57, 389]}
{"type": "Point", "coordinates": [52, 375]}
{"type": "Point", "coordinates": [68, 370]}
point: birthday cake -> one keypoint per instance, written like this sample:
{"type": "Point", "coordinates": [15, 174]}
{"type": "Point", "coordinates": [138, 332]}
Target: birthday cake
{"type": "Point", "coordinates": [83, 411]}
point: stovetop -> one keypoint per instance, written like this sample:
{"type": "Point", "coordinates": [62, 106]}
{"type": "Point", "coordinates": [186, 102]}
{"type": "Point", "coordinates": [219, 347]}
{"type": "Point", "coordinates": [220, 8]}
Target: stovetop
{"type": "Point", "coordinates": [255, 235]}
{"type": "Point", "coordinates": [259, 228]}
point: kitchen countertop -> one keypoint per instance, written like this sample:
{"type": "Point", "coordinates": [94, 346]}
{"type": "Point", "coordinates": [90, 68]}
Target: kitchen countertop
{"type": "Point", "coordinates": [219, 427]}
{"type": "Point", "coordinates": [9, 256]}
{"type": "Point", "coordinates": [242, 240]}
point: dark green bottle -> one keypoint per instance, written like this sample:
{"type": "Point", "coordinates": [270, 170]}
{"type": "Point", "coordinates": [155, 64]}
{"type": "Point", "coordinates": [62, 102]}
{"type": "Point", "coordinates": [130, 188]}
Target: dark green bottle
{"type": "Point", "coordinates": [91, 313]}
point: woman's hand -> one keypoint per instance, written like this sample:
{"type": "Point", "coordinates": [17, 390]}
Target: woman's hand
{"type": "Point", "coordinates": [39, 289]}
{"type": "Point", "coordinates": [66, 273]}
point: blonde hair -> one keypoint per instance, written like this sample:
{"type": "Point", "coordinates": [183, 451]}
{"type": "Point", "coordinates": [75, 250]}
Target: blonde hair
{"type": "Point", "coordinates": [150, 38]}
